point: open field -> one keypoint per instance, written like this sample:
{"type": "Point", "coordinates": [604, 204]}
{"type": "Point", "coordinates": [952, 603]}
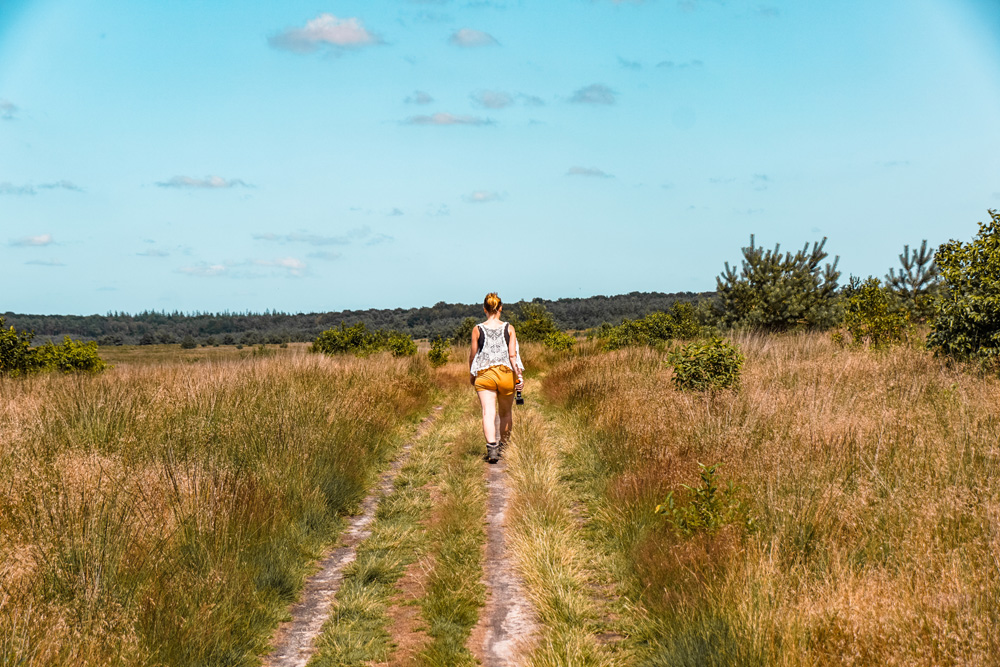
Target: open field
{"type": "Point", "coordinates": [167, 511]}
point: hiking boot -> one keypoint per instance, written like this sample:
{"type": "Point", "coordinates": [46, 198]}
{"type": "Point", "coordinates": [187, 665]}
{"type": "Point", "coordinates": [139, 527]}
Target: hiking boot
{"type": "Point", "coordinates": [492, 452]}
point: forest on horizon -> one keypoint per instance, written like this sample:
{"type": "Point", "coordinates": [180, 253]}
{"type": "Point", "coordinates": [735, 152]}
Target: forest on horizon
{"type": "Point", "coordinates": [153, 327]}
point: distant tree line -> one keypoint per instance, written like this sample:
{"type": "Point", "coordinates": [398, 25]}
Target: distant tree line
{"type": "Point", "coordinates": [272, 327]}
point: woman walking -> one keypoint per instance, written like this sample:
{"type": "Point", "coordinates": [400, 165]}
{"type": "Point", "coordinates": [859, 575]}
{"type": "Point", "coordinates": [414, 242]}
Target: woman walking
{"type": "Point", "coordinates": [494, 361]}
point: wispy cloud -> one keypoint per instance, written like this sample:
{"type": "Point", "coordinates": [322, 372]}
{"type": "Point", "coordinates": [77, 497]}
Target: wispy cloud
{"type": "Point", "coordinates": [588, 171]}
{"type": "Point", "coordinates": [896, 163]}
{"type": "Point", "coordinates": [325, 31]}
{"type": "Point", "coordinates": [492, 99]}
{"type": "Point", "coordinates": [482, 197]}
{"type": "Point", "coordinates": [205, 270]}
{"type": "Point", "coordinates": [469, 38]}
{"type": "Point", "coordinates": [153, 252]}
{"type": "Point", "coordinates": [325, 255]}
{"type": "Point", "coordinates": [33, 241]}
{"type": "Point", "coordinates": [8, 110]}
{"type": "Point", "coordinates": [11, 189]}
{"type": "Point", "coordinates": [294, 266]}
{"type": "Point", "coordinates": [595, 93]}
{"type": "Point", "coordinates": [447, 119]}
{"type": "Point", "coordinates": [767, 11]}
{"type": "Point", "coordinates": [530, 100]}
{"type": "Point", "coordinates": [685, 64]}
{"type": "Point", "coordinates": [45, 262]}
{"type": "Point", "coordinates": [439, 211]}
{"type": "Point", "coordinates": [207, 183]}
{"type": "Point", "coordinates": [419, 97]}
{"type": "Point", "coordinates": [394, 212]}
{"type": "Point", "coordinates": [351, 236]}
{"type": "Point", "coordinates": [379, 239]}
{"type": "Point", "coordinates": [629, 64]}
{"type": "Point", "coordinates": [720, 180]}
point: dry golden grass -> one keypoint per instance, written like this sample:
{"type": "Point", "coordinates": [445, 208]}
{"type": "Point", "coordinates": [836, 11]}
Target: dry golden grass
{"type": "Point", "coordinates": [872, 479]}
{"type": "Point", "coordinates": [164, 513]}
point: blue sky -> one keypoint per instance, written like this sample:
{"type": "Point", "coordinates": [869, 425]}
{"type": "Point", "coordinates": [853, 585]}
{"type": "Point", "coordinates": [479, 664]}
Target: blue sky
{"type": "Point", "coordinates": [394, 153]}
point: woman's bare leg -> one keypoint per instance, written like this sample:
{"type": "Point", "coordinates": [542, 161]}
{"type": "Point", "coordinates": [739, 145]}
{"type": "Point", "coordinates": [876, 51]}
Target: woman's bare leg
{"type": "Point", "coordinates": [488, 399]}
{"type": "Point", "coordinates": [506, 416]}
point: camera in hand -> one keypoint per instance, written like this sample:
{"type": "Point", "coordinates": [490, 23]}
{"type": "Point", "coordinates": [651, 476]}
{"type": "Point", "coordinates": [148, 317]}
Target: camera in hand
{"type": "Point", "coordinates": [518, 398]}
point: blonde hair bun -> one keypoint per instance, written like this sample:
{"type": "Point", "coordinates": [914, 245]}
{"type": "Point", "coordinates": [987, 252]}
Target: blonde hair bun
{"type": "Point", "coordinates": [492, 303]}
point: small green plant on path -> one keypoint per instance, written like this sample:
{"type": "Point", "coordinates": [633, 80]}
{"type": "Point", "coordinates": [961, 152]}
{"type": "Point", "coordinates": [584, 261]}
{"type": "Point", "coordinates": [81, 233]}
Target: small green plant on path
{"type": "Point", "coordinates": [699, 366]}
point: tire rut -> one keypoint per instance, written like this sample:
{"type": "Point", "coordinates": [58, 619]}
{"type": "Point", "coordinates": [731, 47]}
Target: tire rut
{"type": "Point", "coordinates": [293, 642]}
{"type": "Point", "coordinates": [507, 625]}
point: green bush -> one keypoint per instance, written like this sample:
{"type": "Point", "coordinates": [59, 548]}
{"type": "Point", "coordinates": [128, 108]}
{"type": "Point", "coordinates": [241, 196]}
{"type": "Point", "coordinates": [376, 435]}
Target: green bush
{"type": "Point", "coordinates": [463, 334]}
{"type": "Point", "coordinates": [189, 343]}
{"type": "Point", "coordinates": [533, 322]}
{"type": "Point", "coordinates": [778, 292]}
{"type": "Point", "coordinates": [874, 316]}
{"type": "Point", "coordinates": [966, 322]}
{"type": "Point", "coordinates": [559, 341]}
{"type": "Point", "coordinates": [918, 282]}
{"type": "Point", "coordinates": [712, 365]}
{"type": "Point", "coordinates": [680, 321]}
{"type": "Point", "coordinates": [439, 352]}
{"type": "Point", "coordinates": [17, 357]}
{"type": "Point", "coordinates": [359, 340]}
{"type": "Point", "coordinates": [70, 356]}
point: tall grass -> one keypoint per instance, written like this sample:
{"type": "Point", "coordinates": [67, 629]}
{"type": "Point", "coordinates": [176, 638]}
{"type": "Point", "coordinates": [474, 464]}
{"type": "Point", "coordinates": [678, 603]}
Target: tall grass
{"type": "Point", "coordinates": [871, 479]}
{"type": "Point", "coordinates": [165, 514]}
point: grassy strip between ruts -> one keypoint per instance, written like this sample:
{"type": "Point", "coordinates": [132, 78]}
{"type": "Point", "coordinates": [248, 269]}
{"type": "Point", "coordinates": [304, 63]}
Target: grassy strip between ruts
{"type": "Point", "coordinates": [356, 632]}
{"type": "Point", "coordinates": [563, 574]}
{"type": "Point", "coordinates": [454, 591]}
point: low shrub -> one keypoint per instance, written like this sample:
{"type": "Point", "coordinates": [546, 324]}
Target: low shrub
{"type": "Point", "coordinates": [681, 321]}
{"type": "Point", "coordinates": [439, 352]}
{"type": "Point", "coordinates": [17, 357]}
{"type": "Point", "coordinates": [359, 340]}
{"type": "Point", "coordinates": [703, 508]}
{"type": "Point", "coordinates": [715, 364]}
{"type": "Point", "coordinates": [533, 322]}
{"type": "Point", "coordinates": [874, 316]}
{"type": "Point", "coordinates": [559, 341]}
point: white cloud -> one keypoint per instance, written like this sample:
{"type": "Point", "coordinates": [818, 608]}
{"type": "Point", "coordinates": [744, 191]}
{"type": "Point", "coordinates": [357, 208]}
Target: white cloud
{"type": "Point", "coordinates": [294, 266]}
{"type": "Point", "coordinates": [492, 99]}
{"type": "Point", "coordinates": [531, 100]}
{"type": "Point", "coordinates": [34, 241]}
{"type": "Point", "coordinates": [447, 119]}
{"type": "Point", "coordinates": [629, 64]}
{"type": "Point", "coordinates": [419, 97]}
{"type": "Point", "coordinates": [8, 110]}
{"type": "Point", "coordinates": [482, 197]}
{"type": "Point", "coordinates": [205, 270]}
{"type": "Point", "coordinates": [326, 30]}
{"type": "Point", "coordinates": [209, 183]}
{"type": "Point", "coordinates": [595, 93]}
{"type": "Point", "coordinates": [588, 171]}
{"type": "Point", "coordinates": [45, 262]}
{"type": "Point", "coordinates": [469, 38]}
{"type": "Point", "coordinates": [60, 185]}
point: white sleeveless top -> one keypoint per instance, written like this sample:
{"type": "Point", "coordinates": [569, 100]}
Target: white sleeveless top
{"type": "Point", "coordinates": [493, 350]}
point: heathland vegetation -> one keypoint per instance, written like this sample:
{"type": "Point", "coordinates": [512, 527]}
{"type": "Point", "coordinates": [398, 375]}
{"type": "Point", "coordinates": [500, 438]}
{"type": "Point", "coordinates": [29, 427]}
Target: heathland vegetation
{"type": "Point", "coordinates": [750, 480]}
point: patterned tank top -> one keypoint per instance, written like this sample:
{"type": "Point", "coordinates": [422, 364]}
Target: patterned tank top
{"type": "Point", "coordinates": [493, 349]}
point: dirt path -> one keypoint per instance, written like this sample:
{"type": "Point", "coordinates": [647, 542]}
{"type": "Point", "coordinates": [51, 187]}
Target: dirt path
{"type": "Point", "coordinates": [293, 641]}
{"type": "Point", "coordinates": [507, 624]}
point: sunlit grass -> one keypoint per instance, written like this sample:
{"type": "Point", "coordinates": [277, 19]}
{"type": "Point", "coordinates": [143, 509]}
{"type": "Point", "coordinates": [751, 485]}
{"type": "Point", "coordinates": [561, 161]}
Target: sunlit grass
{"type": "Point", "coordinates": [872, 481]}
{"type": "Point", "coordinates": [165, 513]}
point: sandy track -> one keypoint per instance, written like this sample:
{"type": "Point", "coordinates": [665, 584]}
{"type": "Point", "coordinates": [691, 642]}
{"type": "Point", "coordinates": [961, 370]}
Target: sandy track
{"type": "Point", "coordinates": [293, 642]}
{"type": "Point", "coordinates": [507, 625]}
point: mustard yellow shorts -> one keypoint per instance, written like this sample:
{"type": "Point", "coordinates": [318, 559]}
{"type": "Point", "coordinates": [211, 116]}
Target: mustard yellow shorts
{"type": "Point", "coordinates": [496, 378]}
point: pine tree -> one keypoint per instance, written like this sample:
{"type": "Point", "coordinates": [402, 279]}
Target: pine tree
{"type": "Point", "coordinates": [917, 282]}
{"type": "Point", "coordinates": [777, 292]}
